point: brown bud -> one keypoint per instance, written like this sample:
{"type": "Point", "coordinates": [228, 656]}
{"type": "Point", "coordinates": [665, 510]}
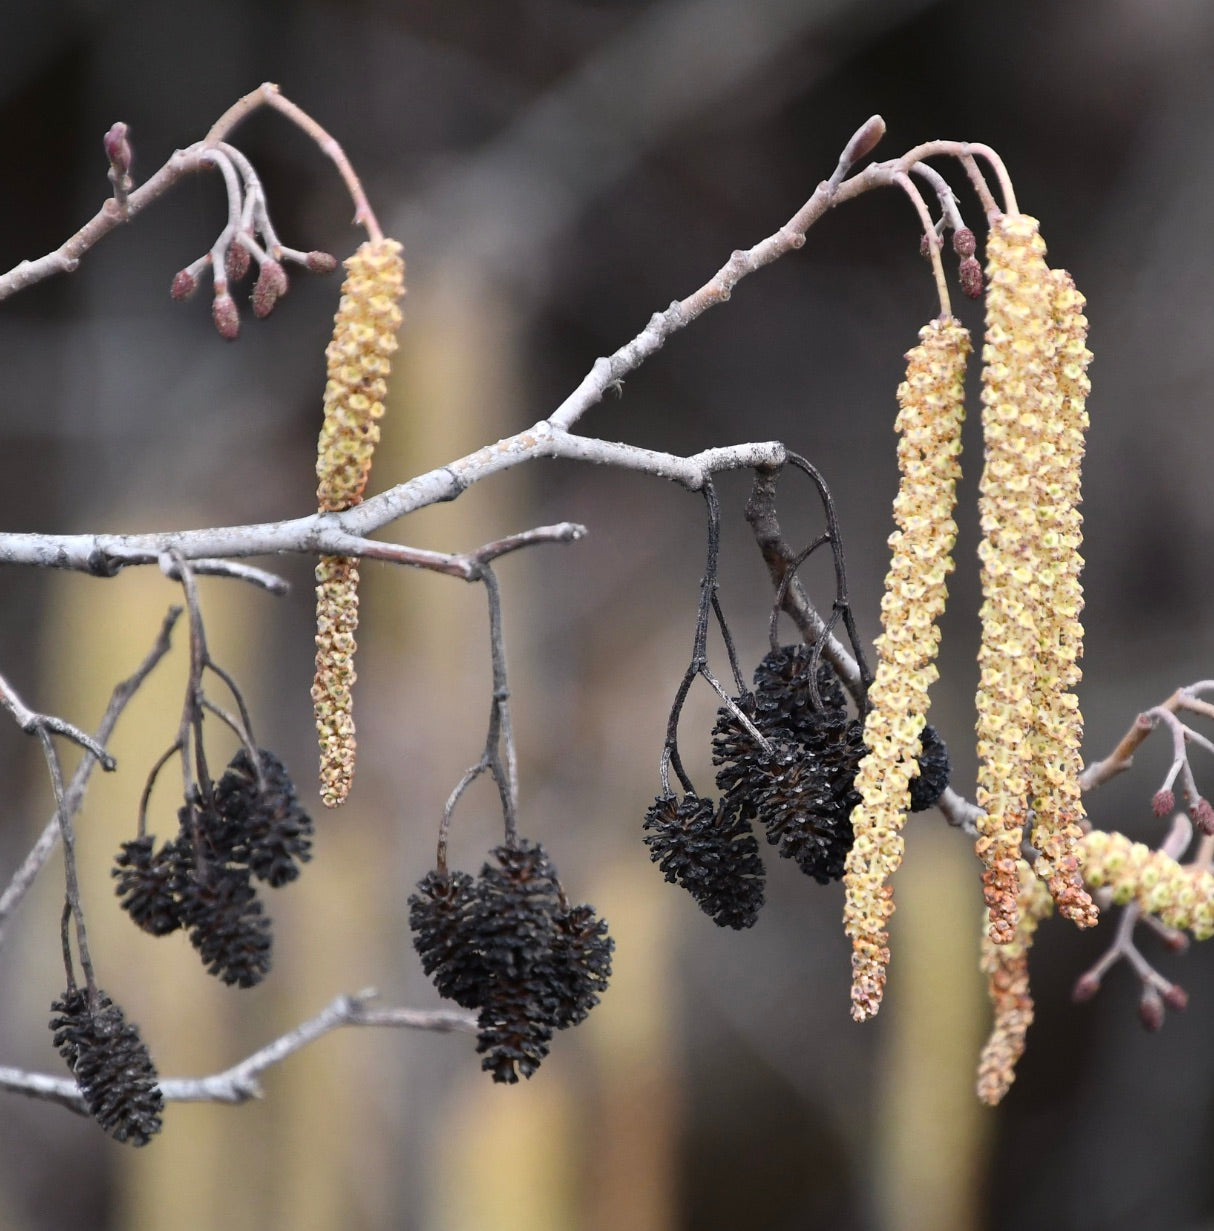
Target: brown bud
{"type": "Point", "coordinates": [236, 261]}
{"type": "Point", "coordinates": [184, 285]}
{"type": "Point", "coordinates": [865, 139]}
{"type": "Point", "coordinates": [1086, 986]}
{"type": "Point", "coordinates": [964, 243]}
{"type": "Point", "coordinates": [118, 149]}
{"type": "Point", "coordinates": [970, 273]}
{"type": "Point", "coordinates": [1163, 802]}
{"type": "Point", "coordinates": [1150, 1009]}
{"type": "Point", "coordinates": [1203, 815]}
{"type": "Point", "coordinates": [270, 285]}
{"type": "Point", "coordinates": [225, 316]}
{"type": "Point", "coordinates": [321, 262]}
{"type": "Point", "coordinates": [1175, 940]}
{"type": "Point", "coordinates": [1176, 998]}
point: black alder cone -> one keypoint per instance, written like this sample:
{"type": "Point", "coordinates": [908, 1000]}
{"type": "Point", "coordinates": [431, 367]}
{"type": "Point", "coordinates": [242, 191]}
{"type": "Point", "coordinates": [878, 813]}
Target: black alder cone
{"type": "Point", "coordinates": [440, 920]}
{"type": "Point", "coordinates": [149, 884]}
{"type": "Point", "coordinates": [783, 698]}
{"type": "Point", "coordinates": [514, 928]}
{"type": "Point", "coordinates": [934, 769]}
{"type": "Point", "coordinates": [111, 1064]}
{"type": "Point", "coordinates": [581, 964]}
{"type": "Point", "coordinates": [509, 945]}
{"type": "Point", "coordinates": [801, 788]}
{"type": "Point", "coordinates": [712, 854]}
{"type": "Point", "coordinates": [227, 925]}
{"type": "Point", "coordinates": [261, 824]}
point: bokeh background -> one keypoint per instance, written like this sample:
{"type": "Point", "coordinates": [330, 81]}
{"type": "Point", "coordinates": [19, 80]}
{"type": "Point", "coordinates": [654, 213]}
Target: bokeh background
{"type": "Point", "coordinates": [557, 171]}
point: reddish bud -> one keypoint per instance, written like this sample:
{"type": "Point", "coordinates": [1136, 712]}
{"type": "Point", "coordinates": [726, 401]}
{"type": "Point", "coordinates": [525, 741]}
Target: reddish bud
{"type": "Point", "coordinates": [964, 243]}
{"type": "Point", "coordinates": [1176, 998]}
{"type": "Point", "coordinates": [1163, 802]}
{"type": "Point", "coordinates": [118, 149]}
{"type": "Point", "coordinates": [925, 246]}
{"type": "Point", "coordinates": [971, 278]}
{"type": "Point", "coordinates": [236, 261]}
{"type": "Point", "coordinates": [321, 262]}
{"type": "Point", "coordinates": [1150, 1009]}
{"type": "Point", "coordinates": [184, 285]}
{"type": "Point", "coordinates": [225, 316]}
{"type": "Point", "coordinates": [1086, 986]}
{"type": "Point", "coordinates": [865, 139]}
{"type": "Point", "coordinates": [1175, 940]}
{"type": "Point", "coordinates": [1203, 815]}
{"type": "Point", "coordinates": [270, 285]}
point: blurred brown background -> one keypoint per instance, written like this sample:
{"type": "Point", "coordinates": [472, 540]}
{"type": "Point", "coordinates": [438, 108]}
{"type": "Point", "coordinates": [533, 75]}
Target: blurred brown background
{"type": "Point", "coordinates": [558, 170]}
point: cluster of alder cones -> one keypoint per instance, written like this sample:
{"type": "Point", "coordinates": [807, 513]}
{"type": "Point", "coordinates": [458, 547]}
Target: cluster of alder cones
{"type": "Point", "coordinates": [790, 768]}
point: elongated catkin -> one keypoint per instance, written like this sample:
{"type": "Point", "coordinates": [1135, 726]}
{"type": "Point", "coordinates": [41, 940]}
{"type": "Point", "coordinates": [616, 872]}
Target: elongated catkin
{"type": "Point", "coordinates": [359, 359]}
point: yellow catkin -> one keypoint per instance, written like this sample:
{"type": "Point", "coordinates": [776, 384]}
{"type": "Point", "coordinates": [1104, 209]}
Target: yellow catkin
{"type": "Point", "coordinates": [1006, 967]}
{"type": "Point", "coordinates": [1057, 730]}
{"type": "Point", "coordinates": [359, 358]}
{"type": "Point", "coordinates": [932, 406]}
{"type": "Point", "coordinates": [1028, 720]}
{"type": "Point", "coordinates": [1179, 895]}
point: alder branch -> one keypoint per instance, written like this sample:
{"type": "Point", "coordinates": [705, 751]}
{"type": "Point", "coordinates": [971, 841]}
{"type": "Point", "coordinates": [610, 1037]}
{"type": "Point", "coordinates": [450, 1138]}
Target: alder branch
{"type": "Point", "coordinates": [241, 1082]}
{"type": "Point", "coordinates": [104, 555]}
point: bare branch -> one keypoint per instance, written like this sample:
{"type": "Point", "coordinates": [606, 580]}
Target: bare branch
{"type": "Point", "coordinates": [242, 1082]}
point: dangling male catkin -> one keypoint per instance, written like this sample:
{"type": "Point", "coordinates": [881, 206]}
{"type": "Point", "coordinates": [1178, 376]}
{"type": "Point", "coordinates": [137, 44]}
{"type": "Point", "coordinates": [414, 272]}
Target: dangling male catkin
{"type": "Point", "coordinates": [932, 407]}
{"type": "Point", "coordinates": [1028, 720]}
{"type": "Point", "coordinates": [359, 358]}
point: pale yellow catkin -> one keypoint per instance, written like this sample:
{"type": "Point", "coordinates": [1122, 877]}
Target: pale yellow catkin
{"type": "Point", "coordinates": [1028, 721]}
{"type": "Point", "coordinates": [359, 359]}
{"type": "Point", "coordinates": [932, 406]}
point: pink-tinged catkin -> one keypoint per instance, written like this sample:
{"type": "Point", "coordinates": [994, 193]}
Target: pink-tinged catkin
{"type": "Point", "coordinates": [1028, 722]}
{"type": "Point", "coordinates": [932, 406]}
{"type": "Point", "coordinates": [359, 358]}
{"type": "Point", "coordinates": [1006, 967]}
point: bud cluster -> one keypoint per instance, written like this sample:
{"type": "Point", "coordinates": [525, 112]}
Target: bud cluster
{"type": "Point", "coordinates": [509, 945]}
{"type": "Point", "coordinates": [249, 826]}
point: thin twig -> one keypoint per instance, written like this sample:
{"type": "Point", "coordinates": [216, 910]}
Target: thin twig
{"type": "Point", "coordinates": [33, 863]}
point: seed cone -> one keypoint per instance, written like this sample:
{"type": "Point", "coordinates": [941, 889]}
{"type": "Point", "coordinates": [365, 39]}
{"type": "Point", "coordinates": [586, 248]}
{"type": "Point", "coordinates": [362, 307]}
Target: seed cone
{"type": "Point", "coordinates": [359, 361]}
{"type": "Point", "coordinates": [509, 945]}
{"type": "Point", "coordinates": [111, 1064]}
{"type": "Point", "coordinates": [711, 852]}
